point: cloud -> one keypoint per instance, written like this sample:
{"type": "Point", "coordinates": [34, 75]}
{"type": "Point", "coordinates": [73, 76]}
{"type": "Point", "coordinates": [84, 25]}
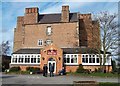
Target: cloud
{"type": "Point", "coordinates": [11, 10]}
{"type": "Point", "coordinates": [56, 8]}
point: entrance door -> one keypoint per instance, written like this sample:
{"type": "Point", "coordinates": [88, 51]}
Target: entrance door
{"type": "Point", "coordinates": [54, 66]}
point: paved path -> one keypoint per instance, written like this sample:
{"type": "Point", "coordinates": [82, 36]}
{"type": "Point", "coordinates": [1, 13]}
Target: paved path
{"type": "Point", "coordinates": [39, 79]}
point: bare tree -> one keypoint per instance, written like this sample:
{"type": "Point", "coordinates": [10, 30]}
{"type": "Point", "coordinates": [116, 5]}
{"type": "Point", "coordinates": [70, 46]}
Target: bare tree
{"type": "Point", "coordinates": [5, 48]}
{"type": "Point", "coordinates": [109, 35]}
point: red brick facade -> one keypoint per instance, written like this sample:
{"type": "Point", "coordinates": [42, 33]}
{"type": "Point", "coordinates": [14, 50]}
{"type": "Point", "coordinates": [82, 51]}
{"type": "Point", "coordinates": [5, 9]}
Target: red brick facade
{"type": "Point", "coordinates": [70, 30]}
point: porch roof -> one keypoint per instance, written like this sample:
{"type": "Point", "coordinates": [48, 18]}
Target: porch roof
{"type": "Point", "coordinates": [65, 51]}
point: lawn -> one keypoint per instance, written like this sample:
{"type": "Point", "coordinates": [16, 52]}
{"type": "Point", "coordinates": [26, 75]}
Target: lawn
{"type": "Point", "coordinates": [96, 74]}
{"type": "Point", "coordinates": [18, 72]}
{"type": "Point", "coordinates": [109, 84]}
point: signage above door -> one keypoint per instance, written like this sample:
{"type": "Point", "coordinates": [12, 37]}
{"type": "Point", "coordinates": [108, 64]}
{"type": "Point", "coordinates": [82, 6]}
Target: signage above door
{"type": "Point", "coordinates": [51, 52]}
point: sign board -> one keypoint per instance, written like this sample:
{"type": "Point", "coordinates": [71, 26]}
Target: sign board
{"type": "Point", "coordinates": [51, 52]}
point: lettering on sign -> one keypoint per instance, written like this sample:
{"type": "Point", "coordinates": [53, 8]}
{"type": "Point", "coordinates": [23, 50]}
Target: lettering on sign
{"type": "Point", "coordinates": [52, 52]}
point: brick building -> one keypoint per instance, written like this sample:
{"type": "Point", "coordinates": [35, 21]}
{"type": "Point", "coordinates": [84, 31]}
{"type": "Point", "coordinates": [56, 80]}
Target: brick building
{"type": "Point", "coordinates": [64, 39]}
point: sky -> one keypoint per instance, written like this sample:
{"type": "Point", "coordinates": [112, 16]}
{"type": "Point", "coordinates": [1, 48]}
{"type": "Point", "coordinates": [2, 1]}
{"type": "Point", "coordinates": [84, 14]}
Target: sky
{"type": "Point", "coordinates": [10, 10]}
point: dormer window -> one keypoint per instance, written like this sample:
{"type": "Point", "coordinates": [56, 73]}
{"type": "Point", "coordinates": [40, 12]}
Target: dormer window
{"type": "Point", "coordinates": [49, 30]}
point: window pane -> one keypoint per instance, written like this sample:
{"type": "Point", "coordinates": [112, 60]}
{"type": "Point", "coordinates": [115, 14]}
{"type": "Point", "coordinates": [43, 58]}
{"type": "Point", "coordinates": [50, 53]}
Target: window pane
{"type": "Point", "coordinates": [68, 56]}
{"type": "Point", "coordinates": [97, 55]}
{"type": "Point", "coordinates": [71, 56]}
{"type": "Point", "coordinates": [15, 60]}
{"type": "Point", "coordinates": [40, 42]}
{"type": "Point", "coordinates": [93, 60]}
{"type": "Point", "coordinates": [26, 60]}
{"type": "Point", "coordinates": [90, 60]}
{"type": "Point", "coordinates": [38, 60]}
{"type": "Point", "coordinates": [71, 60]}
{"type": "Point", "coordinates": [75, 60]}
{"type": "Point", "coordinates": [89, 55]}
{"type": "Point", "coordinates": [86, 60]}
{"type": "Point", "coordinates": [49, 30]}
{"type": "Point", "coordinates": [48, 41]}
{"type": "Point", "coordinates": [64, 60]}
{"type": "Point", "coordinates": [75, 56]}
{"type": "Point", "coordinates": [68, 60]}
{"type": "Point", "coordinates": [83, 60]}
{"type": "Point", "coordinates": [83, 55]}
{"type": "Point", "coordinates": [22, 60]}
{"type": "Point", "coordinates": [64, 56]}
{"type": "Point", "coordinates": [19, 60]}
{"type": "Point", "coordinates": [97, 60]}
{"type": "Point", "coordinates": [32, 60]}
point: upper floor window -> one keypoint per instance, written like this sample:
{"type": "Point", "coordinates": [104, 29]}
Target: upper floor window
{"type": "Point", "coordinates": [49, 30]}
{"type": "Point", "coordinates": [48, 41]}
{"type": "Point", "coordinates": [40, 42]}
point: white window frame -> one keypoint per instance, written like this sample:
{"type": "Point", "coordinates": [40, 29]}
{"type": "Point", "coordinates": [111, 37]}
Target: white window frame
{"type": "Point", "coordinates": [40, 42]}
{"type": "Point", "coordinates": [26, 56]}
{"type": "Point", "coordinates": [95, 56]}
{"type": "Point", "coordinates": [48, 30]}
{"type": "Point", "coordinates": [66, 56]}
{"type": "Point", "coordinates": [48, 41]}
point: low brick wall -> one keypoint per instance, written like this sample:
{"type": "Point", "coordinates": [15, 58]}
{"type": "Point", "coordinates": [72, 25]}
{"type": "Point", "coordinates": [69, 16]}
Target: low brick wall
{"type": "Point", "coordinates": [85, 83]}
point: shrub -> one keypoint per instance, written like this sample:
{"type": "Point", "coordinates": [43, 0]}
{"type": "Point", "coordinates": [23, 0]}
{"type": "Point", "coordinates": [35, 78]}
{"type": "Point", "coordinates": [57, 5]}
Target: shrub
{"type": "Point", "coordinates": [14, 69]}
{"type": "Point", "coordinates": [80, 69]}
{"type": "Point", "coordinates": [98, 70]}
{"type": "Point", "coordinates": [114, 69]}
{"type": "Point", "coordinates": [86, 71]}
{"type": "Point", "coordinates": [32, 69]}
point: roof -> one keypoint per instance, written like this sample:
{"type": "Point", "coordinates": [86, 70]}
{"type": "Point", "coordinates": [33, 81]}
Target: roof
{"type": "Point", "coordinates": [27, 51]}
{"type": "Point", "coordinates": [52, 18]}
{"type": "Point", "coordinates": [65, 51]}
{"type": "Point", "coordinates": [81, 51]}
{"type": "Point", "coordinates": [78, 50]}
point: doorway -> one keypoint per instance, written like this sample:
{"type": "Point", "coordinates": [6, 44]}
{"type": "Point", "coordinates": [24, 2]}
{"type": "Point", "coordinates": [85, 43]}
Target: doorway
{"type": "Point", "coordinates": [51, 61]}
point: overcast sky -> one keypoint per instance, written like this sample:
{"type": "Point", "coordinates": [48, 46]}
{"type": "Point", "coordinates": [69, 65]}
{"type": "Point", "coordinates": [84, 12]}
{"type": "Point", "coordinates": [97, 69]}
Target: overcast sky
{"type": "Point", "coordinates": [12, 9]}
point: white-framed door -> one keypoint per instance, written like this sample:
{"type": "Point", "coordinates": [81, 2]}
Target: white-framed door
{"type": "Point", "coordinates": [54, 65]}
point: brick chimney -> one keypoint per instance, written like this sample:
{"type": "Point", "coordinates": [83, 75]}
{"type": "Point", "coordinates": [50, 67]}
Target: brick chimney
{"type": "Point", "coordinates": [31, 15]}
{"type": "Point", "coordinates": [65, 14]}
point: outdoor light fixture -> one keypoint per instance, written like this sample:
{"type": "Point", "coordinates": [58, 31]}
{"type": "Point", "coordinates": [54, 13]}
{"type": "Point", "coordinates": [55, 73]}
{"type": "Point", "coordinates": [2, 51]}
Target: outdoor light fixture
{"type": "Point", "coordinates": [59, 58]}
{"type": "Point", "coordinates": [43, 58]}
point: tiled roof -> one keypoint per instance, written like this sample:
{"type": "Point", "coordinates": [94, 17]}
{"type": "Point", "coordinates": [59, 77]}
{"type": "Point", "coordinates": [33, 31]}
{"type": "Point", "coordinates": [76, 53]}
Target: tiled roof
{"type": "Point", "coordinates": [78, 50]}
{"type": "Point", "coordinates": [65, 51]}
{"type": "Point", "coordinates": [52, 18]}
{"type": "Point", "coordinates": [27, 51]}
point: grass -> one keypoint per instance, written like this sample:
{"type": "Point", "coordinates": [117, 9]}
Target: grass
{"type": "Point", "coordinates": [96, 74]}
{"type": "Point", "coordinates": [19, 72]}
{"type": "Point", "coordinates": [108, 84]}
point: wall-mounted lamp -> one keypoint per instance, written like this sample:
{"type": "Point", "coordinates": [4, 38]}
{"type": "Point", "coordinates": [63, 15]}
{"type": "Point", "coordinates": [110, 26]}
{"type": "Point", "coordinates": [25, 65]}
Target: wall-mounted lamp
{"type": "Point", "coordinates": [43, 58]}
{"type": "Point", "coordinates": [59, 58]}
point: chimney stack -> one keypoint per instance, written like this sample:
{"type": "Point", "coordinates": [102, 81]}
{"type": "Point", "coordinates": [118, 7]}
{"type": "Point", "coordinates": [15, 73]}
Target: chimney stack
{"type": "Point", "coordinates": [31, 15]}
{"type": "Point", "coordinates": [65, 14]}
{"type": "Point", "coordinates": [31, 10]}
